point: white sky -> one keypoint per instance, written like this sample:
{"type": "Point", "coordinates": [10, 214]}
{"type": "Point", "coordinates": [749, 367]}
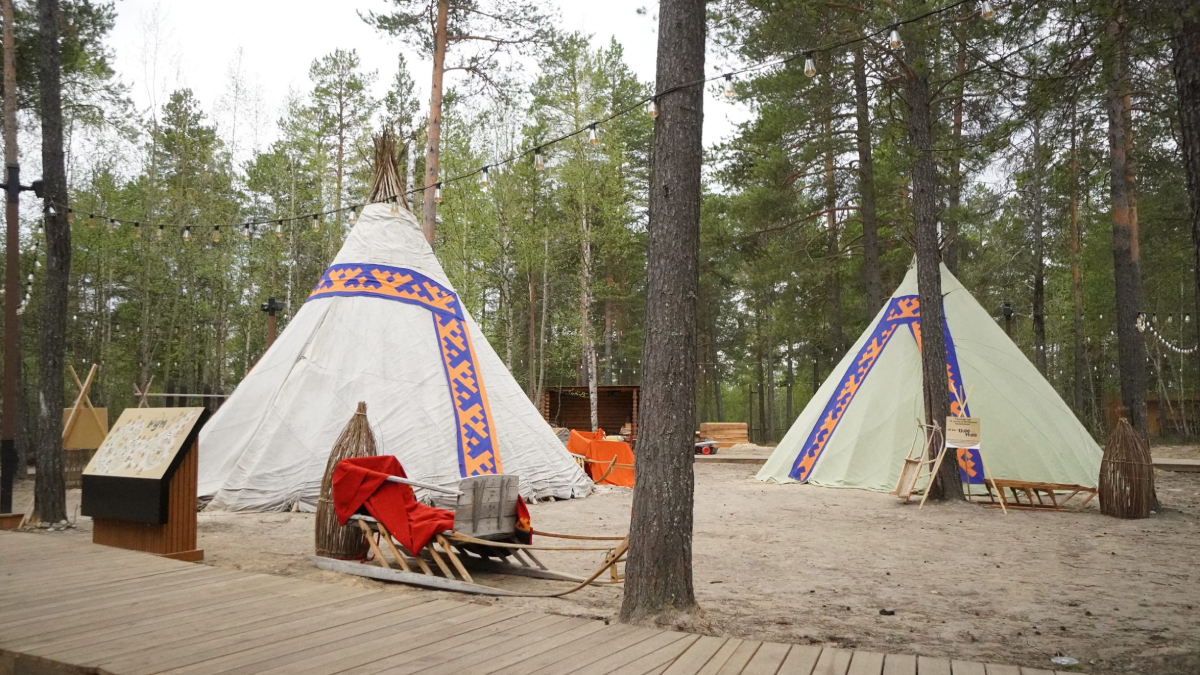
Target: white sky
{"type": "Point", "coordinates": [199, 40]}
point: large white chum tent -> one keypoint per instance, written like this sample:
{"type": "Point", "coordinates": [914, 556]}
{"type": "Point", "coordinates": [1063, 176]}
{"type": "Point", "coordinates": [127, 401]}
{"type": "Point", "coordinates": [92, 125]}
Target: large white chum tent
{"type": "Point", "coordinates": [858, 428]}
{"type": "Point", "coordinates": [383, 326]}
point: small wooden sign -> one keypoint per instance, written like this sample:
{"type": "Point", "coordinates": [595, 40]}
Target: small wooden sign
{"type": "Point", "coordinates": [962, 432]}
{"type": "Point", "coordinates": [140, 487]}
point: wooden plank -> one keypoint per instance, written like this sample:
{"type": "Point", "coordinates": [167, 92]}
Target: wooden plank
{"type": "Point", "coordinates": [504, 655]}
{"type": "Point", "coordinates": [187, 650]}
{"type": "Point", "coordinates": [930, 665]}
{"type": "Point", "coordinates": [767, 660]}
{"type": "Point", "coordinates": [393, 643]}
{"type": "Point", "coordinates": [659, 659]}
{"type": "Point", "coordinates": [801, 660]}
{"type": "Point", "coordinates": [180, 620]}
{"type": "Point", "coordinates": [966, 667]}
{"type": "Point", "coordinates": [1036, 671]}
{"type": "Point", "coordinates": [900, 664]}
{"type": "Point", "coordinates": [671, 643]}
{"type": "Point", "coordinates": [865, 663]}
{"type": "Point", "coordinates": [697, 654]}
{"type": "Point", "coordinates": [739, 658]}
{"type": "Point", "coordinates": [131, 646]}
{"type": "Point", "coordinates": [602, 661]}
{"type": "Point", "coordinates": [438, 653]}
{"type": "Point", "coordinates": [718, 660]}
{"type": "Point", "coordinates": [285, 646]}
{"type": "Point", "coordinates": [833, 661]}
{"type": "Point", "coordinates": [993, 669]}
{"type": "Point", "coordinates": [612, 638]}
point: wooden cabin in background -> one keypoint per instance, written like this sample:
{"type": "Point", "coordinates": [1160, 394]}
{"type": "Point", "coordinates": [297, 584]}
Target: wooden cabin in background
{"type": "Point", "coordinates": [569, 407]}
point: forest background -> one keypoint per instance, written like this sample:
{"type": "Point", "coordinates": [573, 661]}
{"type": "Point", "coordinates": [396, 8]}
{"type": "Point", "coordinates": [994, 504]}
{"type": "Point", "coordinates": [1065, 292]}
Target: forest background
{"type": "Point", "coordinates": [807, 221]}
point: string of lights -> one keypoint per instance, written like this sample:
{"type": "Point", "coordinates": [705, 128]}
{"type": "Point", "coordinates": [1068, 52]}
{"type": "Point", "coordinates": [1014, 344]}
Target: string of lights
{"type": "Point", "coordinates": [650, 103]}
{"type": "Point", "coordinates": [1144, 325]}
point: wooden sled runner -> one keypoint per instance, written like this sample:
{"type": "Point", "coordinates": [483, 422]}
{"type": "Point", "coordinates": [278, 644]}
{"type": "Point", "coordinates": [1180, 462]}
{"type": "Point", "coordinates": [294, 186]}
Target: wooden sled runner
{"type": "Point", "coordinates": [484, 538]}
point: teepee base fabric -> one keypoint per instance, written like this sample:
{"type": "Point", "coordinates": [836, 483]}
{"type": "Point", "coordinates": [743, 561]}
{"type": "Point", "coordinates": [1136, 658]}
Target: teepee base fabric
{"type": "Point", "coordinates": [385, 327]}
{"type": "Point", "coordinates": [858, 427]}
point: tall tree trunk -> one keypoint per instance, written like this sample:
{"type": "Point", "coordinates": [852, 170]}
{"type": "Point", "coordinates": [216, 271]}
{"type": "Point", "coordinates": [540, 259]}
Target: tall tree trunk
{"type": "Point", "coordinates": [608, 333]}
{"type": "Point", "coordinates": [762, 380]}
{"type": "Point", "coordinates": [433, 143]}
{"type": "Point", "coordinates": [929, 278]}
{"type": "Point", "coordinates": [833, 250]}
{"type": "Point", "coordinates": [1186, 66]}
{"type": "Point", "coordinates": [791, 384]}
{"type": "Point", "coordinates": [954, 193]}
{"type": "Point", "coordinates": [1131, 350]}
{"type": "Point", "coordinates": [715, 361]}
{"type": "Point", "coordinates": [9, 460]}
{"type": "Point", "coordinates": [872, 276]}
{"type": "Point", "coordinates": [658, 586]}
{"type": "Point", "coordinates": [1039, 252]}
{"type": "Point", "coordinates": [585, 320]}
{"type": "Point", "coordinates": [770, 365]}
{"type": "Point", "coordinates": [531, 337]}
{"type": "Point", "coordinates": [1076, 275]}
{"type": "Point", "coordinates": [50, 497]}
{"type": "Point", "coordinates": [541, 386]}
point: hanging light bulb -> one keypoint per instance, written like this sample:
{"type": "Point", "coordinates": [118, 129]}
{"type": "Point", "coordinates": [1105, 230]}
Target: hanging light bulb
{"type": "Point", "coordinates": [537, 159]}
{"type": "Point", "coordinates": [593, 139]}
{"type": "Point", "coordinates": [51, 211]}
{"type": "Point", "coordinates": [316, 222]}
{"type": "Point", "coordinates": [91, 220]}
{"type": "Point", "coordinates": [1170, 317]}
{"type": "Point", "coordinates": [137, 230]}
{"type": "Point", "coordinates": [353, 214]}
{"type": "Point", "coordinates": [1187, 318]}
{"type": "Point", "coordinates": [279, 229]}
{"type": "Point", "coordinates": [986, 10]}
{"type": "Point", "coordinates": [894, 38]}
{"type": "Point", "coordinates": [112, 225]}
{"type": "Point", "coordinates": [652, 109]}
{"type": "Point", "coordinates": [70, 216]}
{"type": "Point", "coordinates": [246, 231]}
{"type": "Point", "coordinates": [437, 193]}
{"type": "Point", "coordinates": [41, 232]}
{"type": "Point", "coordinates": [395, 206]}
{"type": "Point", "coordinates": [484, 178]}
{"type": "Point", "coordinates": [216, 234]}
{"type": "Point", "coordinates": [810, 66]}
{"type": "Point", "coordinates": [158, 235]}
{"type": "Point", "coordinates": [187, 232]}
{"type": "Point", "coordinates": [729, 86]}
{"type": "Point", "coordinates": [30, 279]}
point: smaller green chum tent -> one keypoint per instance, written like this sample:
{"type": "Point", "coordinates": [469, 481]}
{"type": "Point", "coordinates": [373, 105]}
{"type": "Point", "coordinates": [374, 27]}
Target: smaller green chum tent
{"type": "Point", "coordinates": [857, 429]}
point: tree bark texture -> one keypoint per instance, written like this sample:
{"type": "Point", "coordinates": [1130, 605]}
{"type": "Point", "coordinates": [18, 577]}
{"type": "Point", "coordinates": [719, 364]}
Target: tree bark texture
{"type": "Point", "coordinates": [658, 586]}
{"type": "Point", "coordinates": [929, 278]}
{"type": "Point", "coordinates": [954, 192]}
{"type": "Point", "coordinates": [1080, 361]}
{"type": "Point", "coordinates": [9, 460]}
{"type": "Point", "coordinates": [50, 502]}
{"type": "Point", "coordinates": [1186, 66]}
{"type": "Point", "coordinates": [1036, 218]}
{"type": "Point", "coordinates": [433, 144]}
{"type": "Point", "coordinates": [872, 277]}
{"type": "Point", "coordinates": [832, 248]}
{"type": "Point", "coordinates": [1131, 349]}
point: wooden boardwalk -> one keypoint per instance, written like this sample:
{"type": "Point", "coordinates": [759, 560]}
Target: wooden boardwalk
{"type": "Point", "coordinates": [72, 607]}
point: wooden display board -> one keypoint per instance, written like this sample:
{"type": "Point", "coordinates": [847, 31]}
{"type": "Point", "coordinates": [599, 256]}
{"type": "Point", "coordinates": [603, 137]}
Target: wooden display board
{"type": "Point", "coordinates": [140, 487]}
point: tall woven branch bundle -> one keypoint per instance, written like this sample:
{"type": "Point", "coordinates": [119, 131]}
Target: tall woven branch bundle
{"type": "Point", "coordinates": [387, 179]}
{"type": "Point", "coordinates": [333, 540]}
{"type": "Point", "coordinates": [1126, 475]}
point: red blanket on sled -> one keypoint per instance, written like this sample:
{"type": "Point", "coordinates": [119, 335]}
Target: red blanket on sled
{"type": "Point", "coordinates": [362, 481]}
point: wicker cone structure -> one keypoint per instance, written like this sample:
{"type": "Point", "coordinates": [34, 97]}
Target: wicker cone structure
{"type": "Point", "coordinates": [1126, 475]}
{"type": "Point", "coordinates": [333, 540]}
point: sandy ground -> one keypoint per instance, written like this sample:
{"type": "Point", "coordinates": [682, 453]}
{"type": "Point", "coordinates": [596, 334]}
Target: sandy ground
{"type": "Point", "coordinates": [816, 565]}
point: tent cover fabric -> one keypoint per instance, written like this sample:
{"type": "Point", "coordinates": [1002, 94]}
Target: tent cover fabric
{"type": "Point", "coordinates": [383, 326]}
{"type": "Point", "coordinates": [857, 429]}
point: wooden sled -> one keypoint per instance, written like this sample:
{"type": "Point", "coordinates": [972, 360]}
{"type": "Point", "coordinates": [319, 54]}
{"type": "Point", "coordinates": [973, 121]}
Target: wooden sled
{"type": "Point", "coordinates": [484, 538]}
{"type": "Point", "coordinates": [919, 470]}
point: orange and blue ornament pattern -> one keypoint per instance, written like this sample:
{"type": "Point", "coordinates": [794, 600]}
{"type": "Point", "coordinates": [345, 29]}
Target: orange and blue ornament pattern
{"type": "Point", "coordinates": [478, 450]}
{"type": "Point", "coordinates": [902, 310]}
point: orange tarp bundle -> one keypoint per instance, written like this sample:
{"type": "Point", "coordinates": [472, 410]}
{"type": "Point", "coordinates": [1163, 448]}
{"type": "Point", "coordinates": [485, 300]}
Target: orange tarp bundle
{"type": "Point", "coordinates": [600, 454]}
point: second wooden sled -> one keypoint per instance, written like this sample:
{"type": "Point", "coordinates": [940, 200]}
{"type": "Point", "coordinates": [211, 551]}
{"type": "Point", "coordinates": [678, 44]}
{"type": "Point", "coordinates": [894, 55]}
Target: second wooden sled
{"type": "Point", "coordinates": [484, 538]}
